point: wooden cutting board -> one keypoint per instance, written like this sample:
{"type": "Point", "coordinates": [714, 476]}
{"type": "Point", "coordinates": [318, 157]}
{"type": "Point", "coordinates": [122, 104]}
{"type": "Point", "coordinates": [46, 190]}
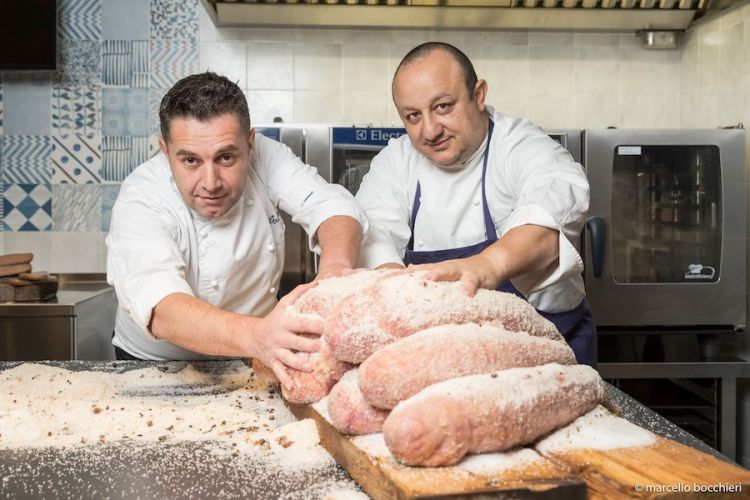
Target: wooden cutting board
{"type": "Point", "coordinates": [384, 478]}
{"type": "Point", "coordinates": [666, 469]}
{"type": "Point", "coordinates": [663, 470]}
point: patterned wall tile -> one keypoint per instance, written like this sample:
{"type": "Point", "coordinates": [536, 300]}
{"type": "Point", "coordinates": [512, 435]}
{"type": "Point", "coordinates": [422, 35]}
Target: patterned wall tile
{"type": "Point", "coordinates": [172, 60]}
{"type": "Point", "coordinates": [79, 62]}
{"type": "Point", "coordinates": [1, 109]}
{"type": "Point", "coordinates": [27, 207]}
{"type": "Point", "coordinates": [120, 155]}
{"type": "Point", "coordinates": [76, 159]}
{"type": "Point", "coordinates": [154, 101]}
{"type": "Point", "coordinates": [26, 159]}
{"type": "Point", "coordinates": [76, 109]}
{"type": "Point", "coordinates": [125, 112]}
{"type": "Point", "coordinates": [2, 204]}
{"type": "Point", "coordinates": [174, 19]}
{"type": "Point", "coordinates": [76, 208]}
{"type": "Point", "coordinates": [109, 196]}
{"type": "Point", "coordinates": [126, 20]}
{"type": "Point", "coordinates": [26, 101]}
{"type": "Point", "coordinates": [79, 19]}
{"type": "Point", "coordinates": [125, 63]}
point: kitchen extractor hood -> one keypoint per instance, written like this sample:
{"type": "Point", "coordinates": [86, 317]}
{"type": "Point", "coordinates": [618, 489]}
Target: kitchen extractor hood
{"type": "Point", "coordinates": [582, 15]}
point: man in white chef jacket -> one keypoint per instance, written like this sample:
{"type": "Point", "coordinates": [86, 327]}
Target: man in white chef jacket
{"type": "Point", "coordinates": [196, 243]}
{"type": "Point", "coordinates": [478, 196]}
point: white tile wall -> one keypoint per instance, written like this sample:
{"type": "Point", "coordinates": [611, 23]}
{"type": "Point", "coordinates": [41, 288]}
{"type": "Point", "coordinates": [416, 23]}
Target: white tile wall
{"type": "Point", "coordinates": [225, 58]}
{"type": "Point", "coordinates": [270, 66]}
{"type": "Point", "coordinates": [78, 252]}
{"type": "Point", "coordinates": [38, 243]}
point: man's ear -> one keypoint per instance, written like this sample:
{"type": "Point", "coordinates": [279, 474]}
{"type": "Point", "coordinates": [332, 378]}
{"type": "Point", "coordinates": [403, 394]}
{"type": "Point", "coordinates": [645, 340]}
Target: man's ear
{"type": "Point", "coordinates": [480, 94]}
{"type": "Point", "coordinates": [251, 139]}
{"type": "Point", "coordinates": [163, 146]}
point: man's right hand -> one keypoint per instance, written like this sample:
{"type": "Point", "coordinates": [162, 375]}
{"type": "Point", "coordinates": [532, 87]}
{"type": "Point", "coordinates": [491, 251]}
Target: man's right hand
{"type": "Point", "coordinates": [275, 339]}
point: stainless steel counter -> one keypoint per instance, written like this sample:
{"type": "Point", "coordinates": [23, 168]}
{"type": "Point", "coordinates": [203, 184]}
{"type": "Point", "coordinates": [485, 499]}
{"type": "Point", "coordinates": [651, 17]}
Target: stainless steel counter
{"type": "Point", "coordinates": [194, 470]}
{"type": "Point", "coordinates": [76, 324]}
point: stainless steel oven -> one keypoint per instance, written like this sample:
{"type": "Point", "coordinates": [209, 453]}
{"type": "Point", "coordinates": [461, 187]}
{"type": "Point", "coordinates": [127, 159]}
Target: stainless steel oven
{"type": "Point", "coordinates": [666, 239]}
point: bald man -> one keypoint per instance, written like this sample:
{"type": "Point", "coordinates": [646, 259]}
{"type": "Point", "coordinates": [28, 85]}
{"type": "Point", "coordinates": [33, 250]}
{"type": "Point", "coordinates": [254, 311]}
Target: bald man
{"type": "Point", "coordinates": [474, 195]}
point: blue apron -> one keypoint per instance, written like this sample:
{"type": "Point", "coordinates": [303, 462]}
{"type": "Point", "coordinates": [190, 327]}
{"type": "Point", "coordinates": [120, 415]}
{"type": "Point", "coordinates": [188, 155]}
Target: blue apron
{"type": "Point", "coordinates": [576, 325]}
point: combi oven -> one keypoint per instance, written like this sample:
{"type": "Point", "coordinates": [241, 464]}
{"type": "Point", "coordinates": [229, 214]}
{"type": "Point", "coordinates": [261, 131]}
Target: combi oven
{"type": "Point", "coordinates": [666, 242]}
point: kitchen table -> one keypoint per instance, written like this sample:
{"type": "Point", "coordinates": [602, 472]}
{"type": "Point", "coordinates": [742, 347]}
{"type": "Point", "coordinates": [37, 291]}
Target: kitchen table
{"type": "Point", "coordinates": [187, 468]}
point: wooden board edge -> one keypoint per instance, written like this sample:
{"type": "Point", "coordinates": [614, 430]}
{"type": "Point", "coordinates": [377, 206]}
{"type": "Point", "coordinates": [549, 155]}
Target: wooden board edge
{"type": "Point", "coordinates": [354, 460]}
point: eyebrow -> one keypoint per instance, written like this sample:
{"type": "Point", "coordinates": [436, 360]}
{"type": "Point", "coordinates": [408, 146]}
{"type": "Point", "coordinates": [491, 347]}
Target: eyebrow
{"type": "Point", "coordinates": [432, 101]}
{"type": "Point", "coordinates": [225, 149]}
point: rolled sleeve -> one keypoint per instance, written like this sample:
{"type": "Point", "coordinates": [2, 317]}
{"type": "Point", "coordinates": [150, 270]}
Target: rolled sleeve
{"type": "Point", "coordinates": [144, 263]}
{"type": "Point", "coordinates": [569, 261]}
{"type": "Point", "coordinates": [324, 202]}
{"type": "Point", "coordinates": [376, 253]}
{"type": "Point", "coordinates": [552, 192]}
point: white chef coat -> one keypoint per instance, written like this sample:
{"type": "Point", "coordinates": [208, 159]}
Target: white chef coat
{"type": "Point", "coordinates": [158, 246]}
{"type": "Point", "coordinates": [530, 179]}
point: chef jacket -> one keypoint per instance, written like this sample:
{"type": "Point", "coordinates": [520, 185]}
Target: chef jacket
{"type": "Point", "coordinates": [158, 246]}
{"type": "Point", "coordinates": [530, 179]}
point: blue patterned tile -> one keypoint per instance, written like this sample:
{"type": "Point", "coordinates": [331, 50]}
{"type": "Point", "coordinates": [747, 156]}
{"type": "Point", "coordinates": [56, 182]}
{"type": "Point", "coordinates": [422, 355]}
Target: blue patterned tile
{"type": "Point", "coordinates": [76, 109]}
{"type": "Point", "coordinates": [120, 155]}
{"type": "Point", "coordinates": [76, 208]}
{"type": "Point", "coordinates": [79, 62]}
{"type": "Point", "coordinates": [1, 109]}
{"type": "Point", "coordinates": [172, 60]}
{"type": "Point", "coordinates": [126, 20]}
{"type": "Point", "coordinates": [109, 196]}
{"type": "Point", "coordinates": [125, 112]}
{"type": "Point", "coordinates": [26, 103]}
{"type": "Point", "coordinates": [125, 63]}
{"type": "Point", "coordinates": [26, 159]}
{"type": "Point", "coordinates": [27, 207]}
{"type": "Point", "coordinates": [174, 19]}
{"type": "Point", "coordinates": [154, 101]}
{"type": "Point", "coordinates": [79, 19]}
{"type": "Point", "coordinates": [76, 159]}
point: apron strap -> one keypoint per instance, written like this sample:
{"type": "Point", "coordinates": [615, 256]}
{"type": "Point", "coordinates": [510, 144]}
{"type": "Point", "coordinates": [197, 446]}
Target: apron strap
{"type": "Point", "coordinates": [489, 225]}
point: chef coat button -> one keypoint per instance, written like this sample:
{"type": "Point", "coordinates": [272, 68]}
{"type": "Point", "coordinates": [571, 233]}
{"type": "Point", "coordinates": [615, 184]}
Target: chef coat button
{"type": "Point", "coordinates": [214, 284]}
{"type": "Point", "coordinates": [420, 243]}
{"type": "Point", "coordinates": [272, 289]}
{"type": "Point", "coordinates": [270, 247]}
{"type": "Point", "coordinates": [476, 203]}
{"type": "Point", "coordinates": [204, 233]}
{"type": "Point", "coordinates": [421, 198]}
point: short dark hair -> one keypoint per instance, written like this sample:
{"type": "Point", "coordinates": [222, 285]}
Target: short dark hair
{"type": "Point", "coordinates": [425, 49]}
{"type": "Point", "coordinates": [203, 96]}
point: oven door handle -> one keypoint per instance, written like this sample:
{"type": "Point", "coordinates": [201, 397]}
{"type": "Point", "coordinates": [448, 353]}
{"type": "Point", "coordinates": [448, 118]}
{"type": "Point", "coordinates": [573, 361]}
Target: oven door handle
{"type": "Point", "coordinates": [598, 230]}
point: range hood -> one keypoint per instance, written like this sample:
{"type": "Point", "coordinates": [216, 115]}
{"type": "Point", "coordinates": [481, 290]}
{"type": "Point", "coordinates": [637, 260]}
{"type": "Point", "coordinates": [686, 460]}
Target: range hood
{"type": "Point", "coordinates": [582, 15]}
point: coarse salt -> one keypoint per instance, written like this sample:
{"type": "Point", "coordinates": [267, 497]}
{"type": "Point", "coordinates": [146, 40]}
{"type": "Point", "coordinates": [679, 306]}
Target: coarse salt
{"type": "Point", "coordinates": [596, 430]}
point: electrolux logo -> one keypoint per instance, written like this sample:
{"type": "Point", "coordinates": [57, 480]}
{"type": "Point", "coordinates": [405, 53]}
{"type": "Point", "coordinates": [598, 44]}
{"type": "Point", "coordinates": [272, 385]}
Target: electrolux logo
{"type": "Point", "coordinates": [361, 135]}
{"type": "Point", "coordinates": [377, 134]}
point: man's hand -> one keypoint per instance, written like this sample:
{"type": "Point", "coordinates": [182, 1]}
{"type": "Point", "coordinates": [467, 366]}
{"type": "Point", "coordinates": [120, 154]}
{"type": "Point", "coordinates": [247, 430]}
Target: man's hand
{"type": "Point", "coordinates": [275, 339]}
{"type": "Point", "coordinates": [473, 273]}
{"type": "Point", "coordinates": [523, 249]}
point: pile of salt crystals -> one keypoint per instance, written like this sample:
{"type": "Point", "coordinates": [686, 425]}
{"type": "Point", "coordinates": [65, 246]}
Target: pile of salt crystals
{"type": "Point", "coordinates": [46, 406]}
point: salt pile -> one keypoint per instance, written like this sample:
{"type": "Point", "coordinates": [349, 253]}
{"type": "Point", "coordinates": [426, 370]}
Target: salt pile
{"type": "Point", "coordinates": [157, 423]}
{"type": "Point", "coordinates": [597, 430]}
